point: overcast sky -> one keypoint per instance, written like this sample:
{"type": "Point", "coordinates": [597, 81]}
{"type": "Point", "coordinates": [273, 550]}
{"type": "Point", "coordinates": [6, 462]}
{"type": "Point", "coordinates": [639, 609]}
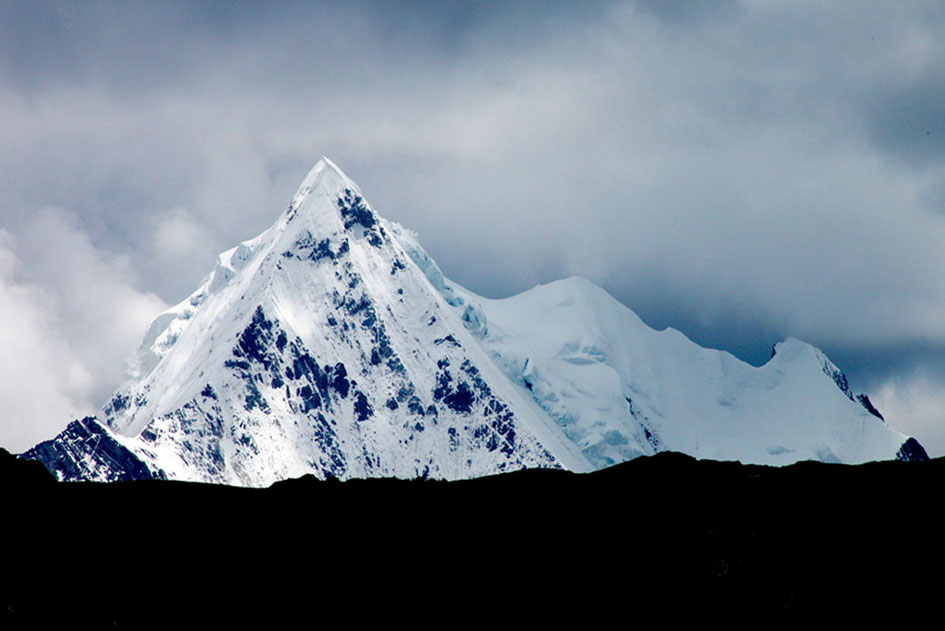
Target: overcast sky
{"type": "Point", "coordinates": [741, 171]}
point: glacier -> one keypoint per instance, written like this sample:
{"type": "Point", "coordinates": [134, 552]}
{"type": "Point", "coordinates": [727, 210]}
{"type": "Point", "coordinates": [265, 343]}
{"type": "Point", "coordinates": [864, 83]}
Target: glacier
{"type": "Point", "coordinates": [332, 344]}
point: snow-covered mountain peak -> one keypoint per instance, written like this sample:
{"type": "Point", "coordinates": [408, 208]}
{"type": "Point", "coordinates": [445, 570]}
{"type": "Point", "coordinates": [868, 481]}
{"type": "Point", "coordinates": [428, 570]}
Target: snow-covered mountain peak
{"type": "Point", "coordinates": [315, 341]}
{"type": "Point", "coordinates": [325, 211]}
{"type": "Point", "coordinates": [325, 179]}
{"type": "Point", "coordinates": [332, 344]}
{"type": "Point", "coordinates": [620, 389]}
{"type": "Point", "coordinates": [326, 203]}
{"type": "Point", "coordinates": [792, 348]}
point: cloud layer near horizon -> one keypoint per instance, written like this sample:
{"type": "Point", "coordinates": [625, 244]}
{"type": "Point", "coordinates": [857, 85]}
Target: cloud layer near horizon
{"type": "Point", "coordinates": [743, 172]}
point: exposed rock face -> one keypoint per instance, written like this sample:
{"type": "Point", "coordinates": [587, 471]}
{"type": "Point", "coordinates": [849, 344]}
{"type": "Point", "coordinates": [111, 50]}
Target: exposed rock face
{"type": "Point", "coordinates": [86, 450]}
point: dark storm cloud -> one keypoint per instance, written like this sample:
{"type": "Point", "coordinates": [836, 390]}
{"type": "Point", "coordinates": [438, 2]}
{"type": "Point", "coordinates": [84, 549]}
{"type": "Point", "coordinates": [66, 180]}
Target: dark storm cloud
{"type": "Point", "coordinates": [120, 45]}
{"type": "Point", "coordinates": [689, 12]}
{"type": "Point", "coordinates": [907, 119]}
{"type": "Point", "coordinates": [743, 172]}
{"type": "Point", "coordinates": [144, 47]}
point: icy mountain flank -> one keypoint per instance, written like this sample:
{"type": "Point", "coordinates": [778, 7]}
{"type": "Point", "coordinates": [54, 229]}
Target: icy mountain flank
{"type": "Point", "coordinates": [319, 347]}
{"type": "Point", "coordinates": [332, 344]}
{"type": "Point", "coordinates": [619, 389]}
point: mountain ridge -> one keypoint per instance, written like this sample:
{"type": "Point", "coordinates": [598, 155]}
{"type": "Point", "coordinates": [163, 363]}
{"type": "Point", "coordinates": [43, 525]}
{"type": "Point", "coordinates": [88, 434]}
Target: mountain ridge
{"type": "Point", "coordinates": [739, 540]}
{"type": "Point", "coordinates": [333, 344]}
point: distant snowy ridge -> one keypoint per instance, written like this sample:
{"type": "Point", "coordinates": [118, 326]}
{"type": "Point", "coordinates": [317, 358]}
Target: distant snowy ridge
{"type": "Point", "coordinates": [619, 389]}
{"type": "Point", "coordinates": [332, 344]}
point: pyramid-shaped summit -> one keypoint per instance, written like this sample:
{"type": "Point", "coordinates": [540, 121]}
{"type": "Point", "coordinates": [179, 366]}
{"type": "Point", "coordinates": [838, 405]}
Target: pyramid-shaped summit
{"type": "Point", "coordinates": [317, 347]}
{"type": "Point", "coordinates": [331, 344]}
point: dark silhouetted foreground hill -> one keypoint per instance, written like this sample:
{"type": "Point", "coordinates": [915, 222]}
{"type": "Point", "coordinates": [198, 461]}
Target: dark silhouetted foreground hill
{"type": "Point", "coordinates": [662, 537]}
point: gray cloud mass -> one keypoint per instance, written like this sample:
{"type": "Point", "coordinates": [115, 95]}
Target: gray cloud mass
{"type": "Point", "coordinates": [741, 171]}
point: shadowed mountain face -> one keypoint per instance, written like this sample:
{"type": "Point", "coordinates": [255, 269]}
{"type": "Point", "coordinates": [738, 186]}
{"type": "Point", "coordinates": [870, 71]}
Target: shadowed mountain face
{"type": "Point", "coordinates": [643, 538]}
{"type": "Point", "coordinates": [332, 345]}
{"type": "Point", "coordinates": [86, 449]}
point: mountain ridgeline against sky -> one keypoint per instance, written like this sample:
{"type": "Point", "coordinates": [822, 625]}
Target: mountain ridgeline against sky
{"type": "Point", "coordinates": [332, 344]}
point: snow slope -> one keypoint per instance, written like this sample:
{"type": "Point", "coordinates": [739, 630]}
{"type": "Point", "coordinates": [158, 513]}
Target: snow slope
{"type": "Point", "coordinates": [332, 344]}
{"type": "Point", "coordinates": [619, 389]}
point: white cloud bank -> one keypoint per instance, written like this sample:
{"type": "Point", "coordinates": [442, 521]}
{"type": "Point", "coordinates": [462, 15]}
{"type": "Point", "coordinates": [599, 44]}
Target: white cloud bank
{"type": "Point", "coordinates": [44, 382]}
{"type": "Point", "coordinates": [65, 330]}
